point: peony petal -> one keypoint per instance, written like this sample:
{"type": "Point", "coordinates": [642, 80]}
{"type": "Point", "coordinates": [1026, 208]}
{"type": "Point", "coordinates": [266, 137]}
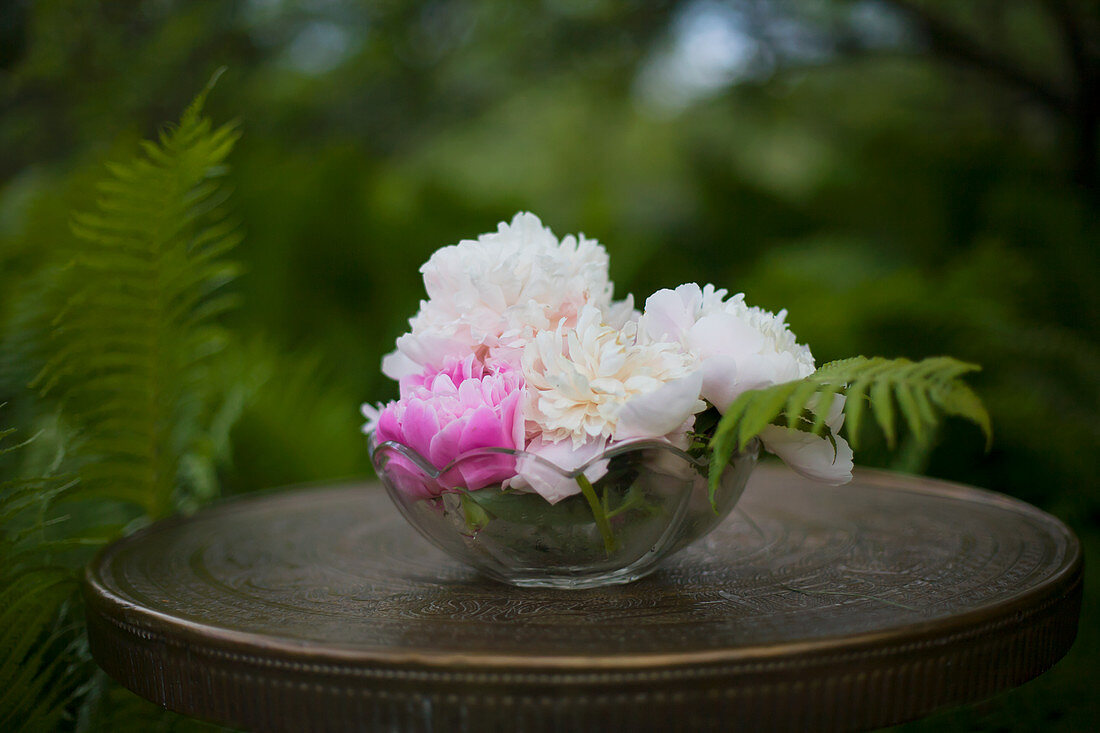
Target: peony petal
{"type": "Point", "coordinates": [764, 370]}
{"type": "Point", "coordinates": [445, 445]}
{"type": "Point", "coordinates": [552, 482]}
{"type": "Point", "coordinates": [480, 471]}
{"type": "Point", "coordinates": [512, 420]}
{"type": "Point", "coordinates": [835, 419]}
{"type": "Point", "coordinates": [661, 411]}
{"type": "Point", "coordinates": [810, 455]}
{"type": "Point", "coordinates": [372, 413]}
{"type": "Point", "coordinates": [389, 423]}
{"type": "Point", "coordinates": [396, 365]}
{"type": "Point", "coordinates": [443, 384]}
{"type": "Point", "coordinates": [621, 312]}
{"type": "Point", "coordinates": [720, 381]}
{"type": "Point", "coordinates": [409, 479]}
{"type": "Point", "coordinates": [429, 348]}
{"type": "Point", "coordinates": [725, 334]}
{"type": "Point", "coordinates": [668, 314]}
{"type": "Point", "coordinates": [756, 372]}
{"type": "Point", "coordinates": [470, 394]}
{"type": "Point", "coordinates": [419, 425]}
{"type": "Point", "coordinates": [480, 429]}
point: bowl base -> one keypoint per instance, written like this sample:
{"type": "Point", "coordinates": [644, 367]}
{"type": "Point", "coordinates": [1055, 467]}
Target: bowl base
{"type": "Point", "coordinates": [579, 581]}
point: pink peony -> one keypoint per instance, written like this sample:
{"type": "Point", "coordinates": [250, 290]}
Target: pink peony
{"type": "Point", "coordinates": [443, 414]}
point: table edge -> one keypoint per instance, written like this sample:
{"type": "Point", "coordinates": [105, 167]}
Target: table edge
{"type": "Point", "coordinates": [1062, 587]}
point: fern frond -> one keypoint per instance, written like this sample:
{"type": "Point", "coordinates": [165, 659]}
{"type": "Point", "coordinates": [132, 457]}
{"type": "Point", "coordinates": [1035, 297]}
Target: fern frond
{"type": "Point", "coordinates": [126, 355]}
{"type": "Point", "coordinates": [137, 324]}
{"type": "Point", "coordinates": [920, 392]}
{"type": "Point", "coordinates": [34, 593]}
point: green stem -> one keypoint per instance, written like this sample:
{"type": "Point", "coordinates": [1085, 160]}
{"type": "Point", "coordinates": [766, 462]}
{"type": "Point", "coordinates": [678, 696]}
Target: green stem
{"type": "Point", "coordinates": [597, 512]}
{"type": "Point", "coordinates": [632, 501]}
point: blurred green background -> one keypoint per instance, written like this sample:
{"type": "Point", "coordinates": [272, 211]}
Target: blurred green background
{"type": "Point", "coordinates": [906, 178]}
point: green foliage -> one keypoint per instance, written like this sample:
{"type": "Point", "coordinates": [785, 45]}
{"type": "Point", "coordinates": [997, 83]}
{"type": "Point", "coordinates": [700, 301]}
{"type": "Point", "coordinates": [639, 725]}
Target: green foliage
{"type": "Point", "coordinates": [919, 391]}
{"type": "Point", "coordinates": [131, 346]}
{"type": "Point", "coordinates": [35, 671]}
{"type": "Point", "coordinates": [277, 389]}
{"type": "Point", "coordinates": [128, 365]}
{"type": "Point", "coordinates": [112, 708]}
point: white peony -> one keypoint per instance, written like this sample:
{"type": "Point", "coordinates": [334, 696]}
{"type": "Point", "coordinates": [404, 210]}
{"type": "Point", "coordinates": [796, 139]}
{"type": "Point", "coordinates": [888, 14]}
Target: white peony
{"type": "Point", "coordinates": [813, 456]}
{"type": "Point", "coordinates": [810, 455]}
{"type": "Point", "coordinates": [546, 468]}
{"type": "Point", "coordinates": [490, 296]}
{"type": "Point", "coordinates": [594, 382]}
{"type": "Point", "coordinates": [735, 348]}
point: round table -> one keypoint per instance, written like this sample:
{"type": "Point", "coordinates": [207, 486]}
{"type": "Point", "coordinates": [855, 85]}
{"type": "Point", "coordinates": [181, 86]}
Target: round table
{"type": "Point", "coordinates": [810, 608]}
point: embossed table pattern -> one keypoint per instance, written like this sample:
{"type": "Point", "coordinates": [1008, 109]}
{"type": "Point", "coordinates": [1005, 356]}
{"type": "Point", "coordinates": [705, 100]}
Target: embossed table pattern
{"type": "Point", "coordinates": [810, 608]}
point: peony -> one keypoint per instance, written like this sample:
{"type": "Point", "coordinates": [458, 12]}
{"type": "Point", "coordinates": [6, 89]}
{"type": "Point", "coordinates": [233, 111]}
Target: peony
{"type": "Point", "coordinates": [736, 348]}
{"type": "Point", "coordinates": [595, 382]}
{"type": "Point", "coordinates": [545, 468]}
{"type": "Point", "coordinates": [491, 295]}
{"type": "Point", "coordinates": [519, 345]}
{"type": "Point", "coordinates": [442, 414]}
{"type": "Point", "coordinates": [592, 385]}
{"type": "Point", "coordinates": [810, 455]}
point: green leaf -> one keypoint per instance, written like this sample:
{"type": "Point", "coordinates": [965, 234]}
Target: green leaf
{"type": "Point", "coordinates": [821, 410]}
{"type": "Point", "coordinates": [129, 333]}
{"type": "Point", "coordinates": [796, 405]}
{"type": "Point", "coordinates": [923, 391]}
{"type": "Point", "coordinates": [528, 508]}
{"type": "Point", "coordinates": [961, 401]}
{"type": "Point", "coordinates": [35, 594]}
{"type": "Point", "coordinates": [907, 401]}
{"type": "Point", "coordinates": [139, 317]}
{"type": "Point", "coordinates": [758, 413]}
{"type": "Point", "coordinates": [476, 516]}
{"type": "Point", "coordinates": [882, 405]}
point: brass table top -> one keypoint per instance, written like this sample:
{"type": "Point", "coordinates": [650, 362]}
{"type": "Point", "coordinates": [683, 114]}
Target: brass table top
{"type": "Point", "coordinates": [810, 608]}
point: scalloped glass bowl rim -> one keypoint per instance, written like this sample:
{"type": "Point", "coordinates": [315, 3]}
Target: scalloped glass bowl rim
{"type": "Point", "coordinates": [617, 449]}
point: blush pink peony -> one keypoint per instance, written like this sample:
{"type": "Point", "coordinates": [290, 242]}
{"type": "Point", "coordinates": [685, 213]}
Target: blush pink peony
{"type": "Point", "coordinates": [443, 414]}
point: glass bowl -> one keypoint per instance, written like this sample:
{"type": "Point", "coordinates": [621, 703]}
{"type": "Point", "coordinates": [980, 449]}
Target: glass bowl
{"type": "Point", "coordinates": [631, 506]}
